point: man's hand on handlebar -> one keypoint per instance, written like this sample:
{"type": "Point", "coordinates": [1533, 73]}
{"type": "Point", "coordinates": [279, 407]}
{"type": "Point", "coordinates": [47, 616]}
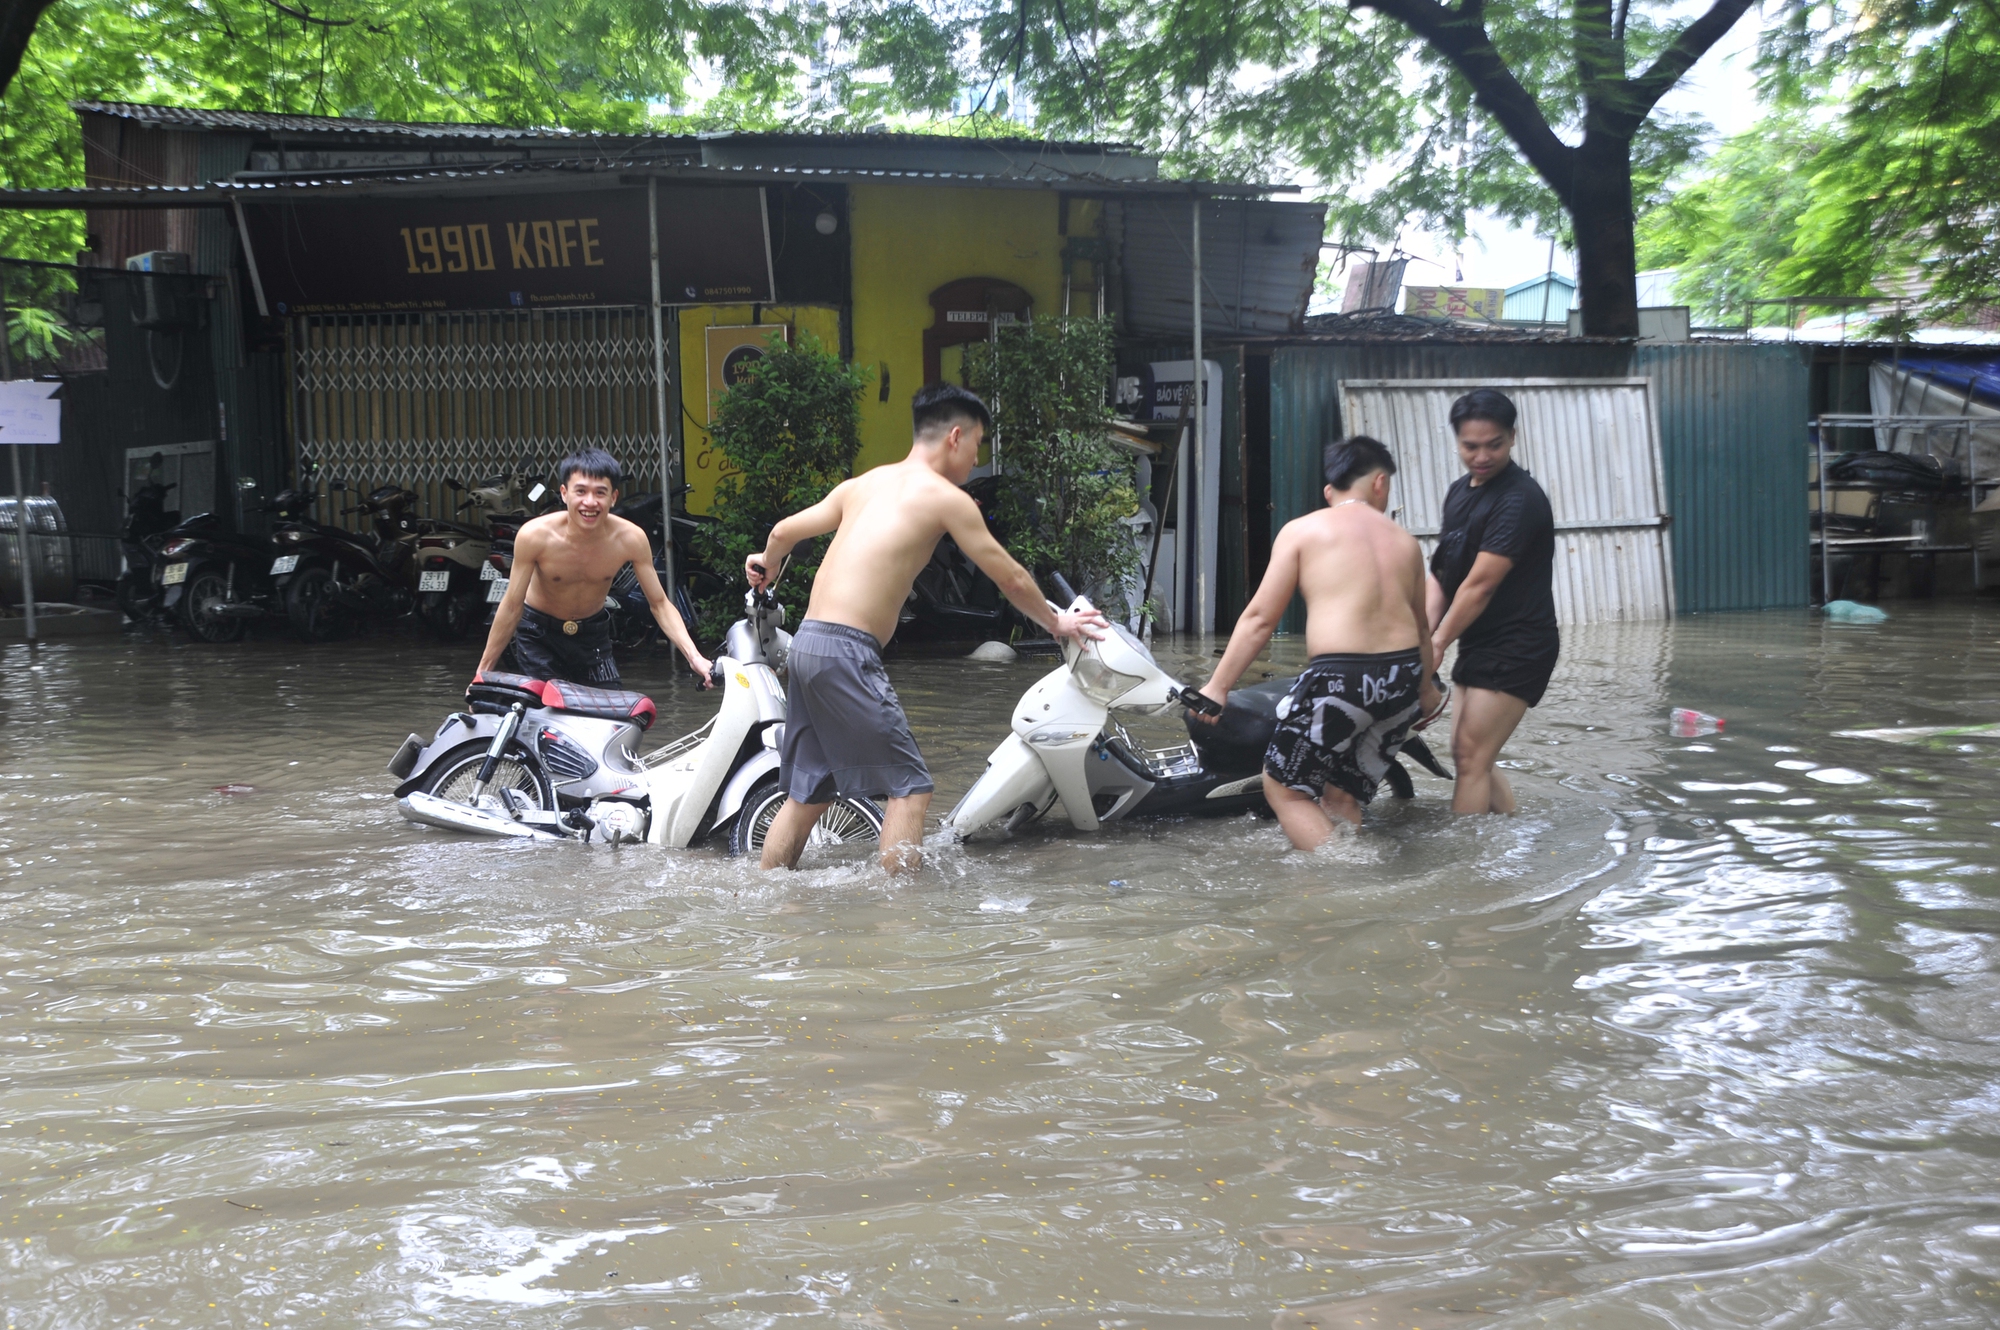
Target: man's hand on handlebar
{"type": "Point", "coordinates": [753, 570]}
{"type": "Point", "coordinates": [1219, 697]}
{"type": "Point", "coordinates": [1083, 625]}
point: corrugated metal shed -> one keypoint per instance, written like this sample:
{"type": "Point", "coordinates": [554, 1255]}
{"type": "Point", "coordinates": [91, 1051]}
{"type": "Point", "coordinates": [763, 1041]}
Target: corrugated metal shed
{"type": "Point", "coordinates": [1733, 429]}
{"type": "Point", "coordinates": [1593, 444]}
{"type": "Point", "coordinates": [1258, 259]}
{"type": "Point", "coordinates": [1732, 442]}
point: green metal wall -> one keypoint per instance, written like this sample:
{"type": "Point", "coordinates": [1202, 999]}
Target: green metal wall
{"type": "Point", "coordinates": [1733, 446]}
{"type": "Point", "coordinates": [1732, 441]}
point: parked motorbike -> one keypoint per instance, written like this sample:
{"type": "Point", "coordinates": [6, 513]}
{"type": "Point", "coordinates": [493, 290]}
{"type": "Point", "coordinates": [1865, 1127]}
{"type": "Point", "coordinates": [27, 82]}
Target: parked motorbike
{"type": "Point", "coordinates": [146, 516]}
{"type": "Point", "coordinates": [1068, 744]}
{"type": "Point", "coordinates": [453, 558]}
{"type": "Point", "coordinates": [213, 582]}
{"type": "Point", "coordinates": [551, 760]}
{"type": "Point", "coordinates": [332, 579]}
{"type": "Point", "coordinates": [951, 600]}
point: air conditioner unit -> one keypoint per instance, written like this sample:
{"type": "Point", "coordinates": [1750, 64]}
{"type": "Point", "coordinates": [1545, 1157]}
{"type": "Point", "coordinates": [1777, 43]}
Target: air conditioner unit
{"type": "Point", "coordinates": [157, 301]}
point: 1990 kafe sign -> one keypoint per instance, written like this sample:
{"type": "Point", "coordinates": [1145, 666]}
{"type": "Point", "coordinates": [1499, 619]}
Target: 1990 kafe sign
{"type": "Point", "coordinates": [531, 251]}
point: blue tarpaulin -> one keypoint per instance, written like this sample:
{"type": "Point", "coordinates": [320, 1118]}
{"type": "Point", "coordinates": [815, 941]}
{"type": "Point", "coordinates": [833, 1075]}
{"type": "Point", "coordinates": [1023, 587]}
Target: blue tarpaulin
{"type": "Point", "coordinates": [1977, 379]}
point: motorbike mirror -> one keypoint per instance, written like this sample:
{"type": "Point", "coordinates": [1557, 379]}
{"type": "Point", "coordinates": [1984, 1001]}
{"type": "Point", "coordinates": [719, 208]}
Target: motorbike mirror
{"type": "Point", "coordinates": [535, 494]}
{"type": "Point", "coordinates": [451, 483]}
{"type": "Point", "coordinates": [1062, 585]}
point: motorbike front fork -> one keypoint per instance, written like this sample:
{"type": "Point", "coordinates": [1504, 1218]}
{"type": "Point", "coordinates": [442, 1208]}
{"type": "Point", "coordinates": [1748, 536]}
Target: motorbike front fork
{"type": "Point", "coordinates": [501, 738]}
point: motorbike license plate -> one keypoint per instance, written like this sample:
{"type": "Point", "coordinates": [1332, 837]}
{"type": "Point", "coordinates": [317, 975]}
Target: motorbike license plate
{"type": "Point", "coordinates": [495, 590]}
{"type": "Point", "coordinates": [488, 573]}
{"type": "Point", "coordinates": [440, 580]}
{"type": "Point", "coordinates": [284, 563]}
{"type": "Point", "coordinates": [175, 574]}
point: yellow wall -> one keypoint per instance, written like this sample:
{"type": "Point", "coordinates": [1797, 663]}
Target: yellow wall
{"type": "Point", "coordinates": [910, 240]}
{"type": "Point", "coordinates": [702, 461]}
{"type": "Point", "coordinates": [907, 241]}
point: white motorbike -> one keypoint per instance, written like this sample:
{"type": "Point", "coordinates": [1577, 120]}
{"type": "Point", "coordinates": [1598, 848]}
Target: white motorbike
{"type": "Point", "coordinates": [551, 760]}
{"type": "Point", "coordinates": [1068, 745]}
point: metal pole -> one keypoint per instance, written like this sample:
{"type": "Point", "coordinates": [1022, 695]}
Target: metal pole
{"type": "Point", "coordinates": [660, 389]}
{"type": "Point", "coordinates": [1200, 477]}
{"type": "Point", "coordinates": [20, 491]}
{"type": "Point", "coordinates": [1825, 531]}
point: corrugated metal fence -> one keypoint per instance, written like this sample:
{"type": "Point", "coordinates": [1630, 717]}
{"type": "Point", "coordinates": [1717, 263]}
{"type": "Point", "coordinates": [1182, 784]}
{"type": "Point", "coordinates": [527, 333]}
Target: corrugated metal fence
{"type": "Point", "coordinates": [1732, 428]}
{"type": "Point", "coordinates": [1592, 445]}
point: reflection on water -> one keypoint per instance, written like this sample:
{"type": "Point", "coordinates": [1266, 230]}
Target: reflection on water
{"type": "Point", "coordinates": [1706, 1037]}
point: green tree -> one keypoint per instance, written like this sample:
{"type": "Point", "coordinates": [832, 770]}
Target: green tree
{"type": "Point", "coordinates": [584, 64]}
{"type": "Point", "coordinates": [1067, 491]}
{"type": "Point", "coordinates": [1538, 109]}
{"type": "Point", "coordinates": [1731, 230]}
{"type": "Point", "coordinates": [791, 429]}
{"type": "Point", "coordinates": [1908, 191]}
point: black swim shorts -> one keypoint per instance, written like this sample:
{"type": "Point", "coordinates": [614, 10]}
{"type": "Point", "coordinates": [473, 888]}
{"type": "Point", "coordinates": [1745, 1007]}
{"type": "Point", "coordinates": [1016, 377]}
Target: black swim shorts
{"type": "Point", "coordinates": [542, 650]}
{"type": "Point", "coordinates": [1344, 721]}
{"type": "Point", "coordinates": [846, 733]}
{"type": "Point", "coordinates": [1520, 667]}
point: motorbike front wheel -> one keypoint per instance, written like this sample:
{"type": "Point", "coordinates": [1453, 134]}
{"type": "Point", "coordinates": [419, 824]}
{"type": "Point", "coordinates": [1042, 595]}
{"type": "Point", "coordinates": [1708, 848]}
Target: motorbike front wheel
{"type": "Point", "coordinates": [310, 605]}
{"type": "Point", "coordinates": [453, 778]}
{"type": "Point", "coordinates": [207, 588]}
{"type": "Point", "coordinates": [845, 821]}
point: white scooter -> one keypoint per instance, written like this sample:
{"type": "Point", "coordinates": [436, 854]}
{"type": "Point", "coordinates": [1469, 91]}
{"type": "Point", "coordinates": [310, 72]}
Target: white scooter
{"type": "Point", "coordinates": [1067, 744]}
{"type": "Point", "coordinates": [550, 760]}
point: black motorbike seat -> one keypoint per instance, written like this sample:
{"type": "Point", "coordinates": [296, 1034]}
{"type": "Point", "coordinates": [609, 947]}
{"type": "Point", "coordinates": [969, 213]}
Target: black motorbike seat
{"type": "Point", "coordinates": [1238, 740]}
{"type": "Point", "coordinates": [599, 703]}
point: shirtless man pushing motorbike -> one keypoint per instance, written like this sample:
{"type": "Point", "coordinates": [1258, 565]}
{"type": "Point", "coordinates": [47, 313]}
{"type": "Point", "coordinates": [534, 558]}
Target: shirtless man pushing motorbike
{"type": "Point", "coordinates": [847, 734]}
{"type": "Point", "coordinates": [1369, 680]}
{"type": "Point", "coordinates": [553, 613]}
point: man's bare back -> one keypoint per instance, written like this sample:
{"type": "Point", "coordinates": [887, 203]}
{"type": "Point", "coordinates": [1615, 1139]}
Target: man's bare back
{"type": "Point", "coordinates": [1359, 573]}
{"type": "Point", "coordinates": [891, 519]}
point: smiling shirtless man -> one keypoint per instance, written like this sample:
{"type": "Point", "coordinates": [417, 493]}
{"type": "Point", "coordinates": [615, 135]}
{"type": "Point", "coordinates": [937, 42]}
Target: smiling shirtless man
{"type": "Point", "coordinates": [1369, 679]}
{"type": "Point", "coordinates": [846, 733]}
{"type": "Point", "coordinates": [553, 613]}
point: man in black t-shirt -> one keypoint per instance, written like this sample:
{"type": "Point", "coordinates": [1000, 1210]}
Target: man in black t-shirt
{"type": "Point", "coordinates": [1492, 590]}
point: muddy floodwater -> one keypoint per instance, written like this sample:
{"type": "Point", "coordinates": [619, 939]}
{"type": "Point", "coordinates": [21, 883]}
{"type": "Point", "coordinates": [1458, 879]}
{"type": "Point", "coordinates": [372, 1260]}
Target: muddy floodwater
{"type": "Point", "coordinates": [1706, 1037]}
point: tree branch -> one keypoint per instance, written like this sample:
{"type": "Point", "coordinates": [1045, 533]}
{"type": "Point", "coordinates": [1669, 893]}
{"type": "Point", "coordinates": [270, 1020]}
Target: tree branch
{"type": "Point", "coordinates": [307, 16]}
{"type": "Point", "coordinates": [17, 28]}
{"type": "Point", "coordinates": [1460, 36]}
{"type": "Point", "coordinates": [1641, 94]}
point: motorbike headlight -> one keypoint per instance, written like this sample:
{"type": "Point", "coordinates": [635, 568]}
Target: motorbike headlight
{"type": "Point", "coordinates": [1099, 682]}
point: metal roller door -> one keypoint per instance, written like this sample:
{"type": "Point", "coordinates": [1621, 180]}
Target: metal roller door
{"type": "Point", "coordinates": [1594, 444]}
{"type": "Point", "coordinates": [410, 399]}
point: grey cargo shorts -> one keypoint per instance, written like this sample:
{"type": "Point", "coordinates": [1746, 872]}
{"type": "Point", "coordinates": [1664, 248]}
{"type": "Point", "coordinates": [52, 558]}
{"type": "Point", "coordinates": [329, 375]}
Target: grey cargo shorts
{"type": "Point", "coordinates": [846, 733]}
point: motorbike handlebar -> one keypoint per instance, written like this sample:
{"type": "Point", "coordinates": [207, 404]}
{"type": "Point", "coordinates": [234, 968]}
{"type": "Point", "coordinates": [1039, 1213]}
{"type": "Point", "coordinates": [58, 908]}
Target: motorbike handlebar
{"type": "Point", "coordinates": [357, 508]}
{"type": "Point", "coordinates": [1199, 702]}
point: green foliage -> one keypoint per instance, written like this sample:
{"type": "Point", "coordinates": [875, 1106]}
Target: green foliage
{"type": "Point", "coordinates": [1067, 490]}
{"type": "Point", "coordinates": [583, 64]}
{"type": "Point", "coordinates": [1908, 193]}
{"type": "Point", "coordinates": [1729, 231]}
{"type": "Point", "coordinates": [791, 430]}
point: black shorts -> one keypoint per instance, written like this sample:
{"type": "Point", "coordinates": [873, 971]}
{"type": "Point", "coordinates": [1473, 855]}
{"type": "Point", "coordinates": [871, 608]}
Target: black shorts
{"type": "Point", "coordinates": [1520, 667]}
{"type": "Point", "coordinates": [542, 650]}
{"type": "Point", "coordinates": [1344, 721]}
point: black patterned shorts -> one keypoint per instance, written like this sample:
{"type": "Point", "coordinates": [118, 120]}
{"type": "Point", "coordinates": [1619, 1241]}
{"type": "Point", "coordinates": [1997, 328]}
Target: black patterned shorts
{"type": "Point", "coordinates": [1344, 721]}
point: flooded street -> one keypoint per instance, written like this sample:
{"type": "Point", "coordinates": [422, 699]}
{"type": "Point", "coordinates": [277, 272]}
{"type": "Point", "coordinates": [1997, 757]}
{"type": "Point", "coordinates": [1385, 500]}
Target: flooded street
{"type": "Point", "coordinates": [1707, 1037]}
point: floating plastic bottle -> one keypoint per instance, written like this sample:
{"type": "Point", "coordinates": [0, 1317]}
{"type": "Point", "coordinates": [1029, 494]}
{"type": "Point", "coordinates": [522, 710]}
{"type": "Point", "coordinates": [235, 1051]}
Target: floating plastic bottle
{"type": "Point", "coordinates": [1683, 723]}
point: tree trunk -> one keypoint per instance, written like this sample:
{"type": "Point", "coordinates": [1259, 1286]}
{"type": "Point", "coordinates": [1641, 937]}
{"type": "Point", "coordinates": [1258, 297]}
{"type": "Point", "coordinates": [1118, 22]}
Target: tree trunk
{"type": "Point", "coordinates": [1600, 211]}
{"type": "Point", "coordinates": [17, 25]}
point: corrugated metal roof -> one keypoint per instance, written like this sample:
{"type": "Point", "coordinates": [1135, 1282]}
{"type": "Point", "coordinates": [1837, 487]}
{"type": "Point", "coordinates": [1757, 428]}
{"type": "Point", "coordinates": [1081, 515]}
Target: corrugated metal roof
{"type": "Point", "coordinates": [267, 122]}
{"type": "Point", "coordinates": [1593, 444]}
{"type": "Point", "coordinates": [553, 172]}
{"type": "Point", "coordinates": [1259, 259]}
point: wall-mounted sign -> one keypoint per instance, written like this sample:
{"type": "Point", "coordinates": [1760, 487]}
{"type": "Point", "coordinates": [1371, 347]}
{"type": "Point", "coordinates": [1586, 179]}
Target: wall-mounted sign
{"type": "Point", "coordinates": [30, 412]}
{"type": "Point", "coordinates": [731, 350]}
{"type": "Point", "coordinates": [522, 251]}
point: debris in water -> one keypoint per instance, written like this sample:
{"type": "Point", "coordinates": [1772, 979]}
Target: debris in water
{"type": "Point", "coordinates": [1853, 611]}
{"type": "Point", "coordinates": [236, 789]}
{"type": "Point", "coordinates": [1913, 733]}
{"type": "Point", "coordinates": [998, 653]}
{"type": "Point", "coordinates": [1683, 723]}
